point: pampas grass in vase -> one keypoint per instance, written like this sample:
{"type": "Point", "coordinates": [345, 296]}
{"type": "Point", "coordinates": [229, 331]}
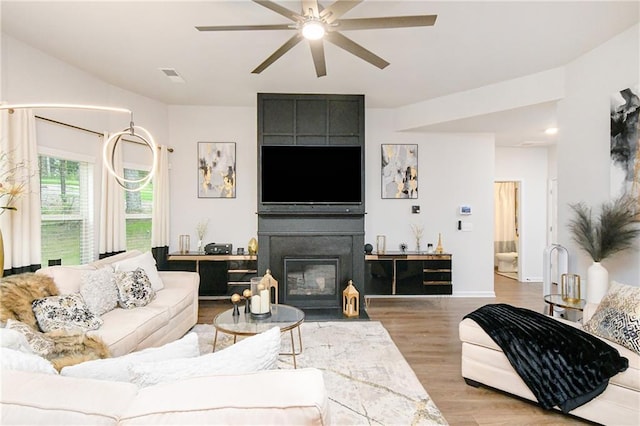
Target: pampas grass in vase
{"type": "Point", "coordinates": [614, 230]}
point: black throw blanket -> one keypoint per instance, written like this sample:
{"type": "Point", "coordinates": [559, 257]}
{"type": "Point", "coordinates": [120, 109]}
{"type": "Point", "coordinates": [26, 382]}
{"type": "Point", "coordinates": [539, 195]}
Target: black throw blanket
{"type": "Point", "coordinates": [562, 366]}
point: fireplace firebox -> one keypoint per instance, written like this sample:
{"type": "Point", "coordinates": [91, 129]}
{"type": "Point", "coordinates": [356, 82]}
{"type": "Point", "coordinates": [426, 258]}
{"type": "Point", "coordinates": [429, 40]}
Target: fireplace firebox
{"type": "Point", "coordinates": [310, 281]}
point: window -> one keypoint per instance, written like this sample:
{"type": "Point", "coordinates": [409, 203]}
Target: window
{"type": "Point", "coordinates": [67, 210]}
{"type": "Point", "coordinates": [138, 209]}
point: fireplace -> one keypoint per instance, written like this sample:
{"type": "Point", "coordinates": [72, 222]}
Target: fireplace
{"type": "Point", "coordinates": [310, 281]}
{"type": "Point", "coordinates": [312, 257]}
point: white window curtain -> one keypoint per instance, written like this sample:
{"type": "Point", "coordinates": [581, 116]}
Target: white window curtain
{"type": "Point", "coordinates": [505, 224]}
{"type": "Point", "coordinates": [160, 212]}
{"type": "Point", "coordinates": [21, 228]}
{"type": "Point", "coordinates": [113, 237]}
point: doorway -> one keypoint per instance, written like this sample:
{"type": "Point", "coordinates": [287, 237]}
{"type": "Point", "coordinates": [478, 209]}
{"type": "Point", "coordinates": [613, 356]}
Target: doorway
{"type": "Point", "coordinates": [507, 229]}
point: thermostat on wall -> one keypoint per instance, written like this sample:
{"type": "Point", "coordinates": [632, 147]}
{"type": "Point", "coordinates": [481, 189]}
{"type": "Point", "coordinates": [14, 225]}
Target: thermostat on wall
{"type": "Point", "coordinates": [465, 210]}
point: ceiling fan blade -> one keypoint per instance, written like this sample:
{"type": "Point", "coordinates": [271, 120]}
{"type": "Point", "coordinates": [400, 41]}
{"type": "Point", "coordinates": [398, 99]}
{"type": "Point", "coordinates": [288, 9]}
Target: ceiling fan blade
{"type": "Point", "coordinates": [246, 27]}
{"type": "Point", "coordinates": [310, 8]}
{"type": "Point", "coordinates": [387, 22]}
{"type": "Point", "coordinates": [278, 53]}
{"type": "Point", "coordinates": [354, 48]}
{"type": "Point", "coordinates": [287, 13]}
{"type": "Point", "coordinates": [317, 52]}
{"type": "Point", "coordinates": [337, 9]}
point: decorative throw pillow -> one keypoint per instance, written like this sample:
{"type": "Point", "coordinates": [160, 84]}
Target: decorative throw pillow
{"type": "Point", "coordinates": [99, 290]}
{"type": "Point", "coordinates": [617, 317]}
{"type": "Point", "coordinates": [255, 353]}
{"type": "Point", "coordinates": [134, 288]}
{"type": "Point", "coordinates": [38, 342]}
{"type": "Point", "coordinates": [117, 368]}
{"type": "Point", "coordinates": [145, 261]}
{"type": "Point", "coordinates": [65, 312]}
{"type": "Point", "coordinates": [68, 279]}
{"type": "Point", "coordinates": [12, 339]}
{"type": "Point", "coordinates": [17, 360]}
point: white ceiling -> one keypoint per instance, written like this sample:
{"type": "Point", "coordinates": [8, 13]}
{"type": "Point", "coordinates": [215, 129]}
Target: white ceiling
{"type": "Point", "coordinates": [472, 44]}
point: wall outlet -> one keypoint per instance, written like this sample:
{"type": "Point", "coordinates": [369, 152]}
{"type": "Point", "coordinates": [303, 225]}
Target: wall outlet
{"type": "Point", "coordinates": [415, 209]}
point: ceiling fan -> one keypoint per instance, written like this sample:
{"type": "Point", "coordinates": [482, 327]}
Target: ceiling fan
{"type": "Point", "coordinates": [317, 23]}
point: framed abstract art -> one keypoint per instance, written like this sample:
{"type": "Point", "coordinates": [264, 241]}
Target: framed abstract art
{"type": "Point", "coordinates": [399, 171]}
{"type": "Point", "coordinates": [625, 145]}
{"type": "Point", "coordinates": [216, 170]}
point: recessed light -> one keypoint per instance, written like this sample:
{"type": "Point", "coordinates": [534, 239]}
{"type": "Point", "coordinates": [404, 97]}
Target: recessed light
{"type": "Point", "coordinates": [551, 131]}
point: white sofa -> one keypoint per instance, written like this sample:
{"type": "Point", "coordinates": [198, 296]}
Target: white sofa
{"type": "Point", "coordinates": [172, 312]}
{"type": "Point", "coordinates": [38, 395]}
{"type": "Point", "coordinates": [483, 362]}
{"type": "Point", "coordinates": [270, 397]}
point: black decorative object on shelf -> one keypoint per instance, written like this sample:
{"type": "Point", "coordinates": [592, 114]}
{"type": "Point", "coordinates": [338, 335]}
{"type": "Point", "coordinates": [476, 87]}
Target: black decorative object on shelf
{"type": "Point", "coordinates": [368, 248]}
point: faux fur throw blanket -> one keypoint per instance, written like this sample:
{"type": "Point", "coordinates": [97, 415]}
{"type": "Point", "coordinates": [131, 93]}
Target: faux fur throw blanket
{"type": "Point", "coordinates": [16, 294]}
{"type": "Point", "coordinates": [562, 366]}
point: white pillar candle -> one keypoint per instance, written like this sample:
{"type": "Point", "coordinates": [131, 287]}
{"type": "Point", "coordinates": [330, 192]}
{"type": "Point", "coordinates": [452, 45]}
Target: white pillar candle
{"type": "Point", "coordinates": [255, 304]}
{"type": "Point", "coordinates": [264, 301]}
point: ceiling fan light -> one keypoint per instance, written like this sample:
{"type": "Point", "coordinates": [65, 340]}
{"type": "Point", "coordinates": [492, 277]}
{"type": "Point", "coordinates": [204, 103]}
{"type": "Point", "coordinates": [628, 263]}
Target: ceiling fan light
{"type": "Point", "coordinates": [313, 30]}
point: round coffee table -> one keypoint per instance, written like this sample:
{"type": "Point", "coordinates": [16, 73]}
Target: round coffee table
{"type": "Point", "coordinates": [286, 317]}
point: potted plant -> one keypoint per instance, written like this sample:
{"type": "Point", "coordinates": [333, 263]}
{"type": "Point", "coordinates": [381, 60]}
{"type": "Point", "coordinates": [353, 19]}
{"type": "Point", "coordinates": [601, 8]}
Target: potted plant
{"type": "Point", "coordinates": [613, 230]}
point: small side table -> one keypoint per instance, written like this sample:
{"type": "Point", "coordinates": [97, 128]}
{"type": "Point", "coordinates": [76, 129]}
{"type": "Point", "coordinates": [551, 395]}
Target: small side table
{"type": "Point", "coordinates": [557, 300]}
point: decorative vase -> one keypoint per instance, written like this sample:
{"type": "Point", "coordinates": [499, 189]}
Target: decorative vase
{"type": "Point", "coordinates": [439, 248]}
{"type": "Point", "coordinates": [252, 246]}
{"type": "Point", "coordinates": [597, 282]}
{"type": "Point", "coordinates": [1, 255]}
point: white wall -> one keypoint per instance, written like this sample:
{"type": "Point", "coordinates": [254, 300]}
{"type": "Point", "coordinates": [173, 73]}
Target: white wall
{"type": "Point", "coordinates": [231, 220]}
{"type": "Point", "coordinates": [453, 170]}
{"type": "Point", "coordinates": [529, 167]}
{"type": "Point", "coordinates": [584, 142]}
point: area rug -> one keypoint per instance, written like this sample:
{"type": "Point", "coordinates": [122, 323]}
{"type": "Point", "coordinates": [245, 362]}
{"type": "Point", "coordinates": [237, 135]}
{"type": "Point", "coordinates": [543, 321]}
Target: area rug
{"type": "Point", "coordinates": [368, 380]}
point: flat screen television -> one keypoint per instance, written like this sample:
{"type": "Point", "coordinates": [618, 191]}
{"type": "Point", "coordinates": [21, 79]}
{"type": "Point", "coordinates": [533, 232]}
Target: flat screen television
{"type": "Point", "coordinates": [309, 175]}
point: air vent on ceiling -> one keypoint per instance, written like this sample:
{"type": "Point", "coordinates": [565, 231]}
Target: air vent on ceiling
{"type": "Point", "coordinates": [172, 74]}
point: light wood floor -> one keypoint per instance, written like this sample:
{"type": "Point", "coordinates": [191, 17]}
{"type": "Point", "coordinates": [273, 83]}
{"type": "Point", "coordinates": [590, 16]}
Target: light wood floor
{"type": "Point", "coordinates": [426, 332]}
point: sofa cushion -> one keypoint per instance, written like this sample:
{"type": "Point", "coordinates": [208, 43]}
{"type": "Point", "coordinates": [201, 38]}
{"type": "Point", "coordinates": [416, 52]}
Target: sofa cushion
{"type": "Point", "coordinates": [134, 288]}
{"type": "Point", "coordinates": [64, 312]}
{"type": "Point", "coordinates": [40, 399]}
{"type": "Point", "coordinates": [68, 279]}
{"type": "Point", "coordinates": [99, 290]}
{"type": "Point", "coordinates": [117, 368]}
{"type": "Point", "coordinates": [110, 260]}
{"type": "Point", "coordinates": [145, 261]}
{"type": "Point", "coordinates": [283, 397]}
{"type": "Point", "coordinates": [617, 317]}
{"type": "Point", "coordinates": [38, 343]}
{"type": "Point", "coordinates": [175, 299]}
{"type": "Point", "coordinates": [12, 359]}
{"type": "Point", "coordinates": [255, 353]}
{"type": "Point", "coordinates": [123, 329]}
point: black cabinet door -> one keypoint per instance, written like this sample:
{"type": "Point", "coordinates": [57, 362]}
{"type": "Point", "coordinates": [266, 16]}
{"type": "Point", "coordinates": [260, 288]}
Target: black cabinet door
{"type": "Point", "coordinates": [409, 277]}
{"type": "Point", "coordinates": [378, 277]}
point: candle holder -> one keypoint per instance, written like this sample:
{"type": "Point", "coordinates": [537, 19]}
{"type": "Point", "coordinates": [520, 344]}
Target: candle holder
{"type": "Point", "coordinates": [570, 288]}
{"type": "Point", "coordinates": [350, 301]}
{"type": "Point", "coordinates": [260, 299]}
